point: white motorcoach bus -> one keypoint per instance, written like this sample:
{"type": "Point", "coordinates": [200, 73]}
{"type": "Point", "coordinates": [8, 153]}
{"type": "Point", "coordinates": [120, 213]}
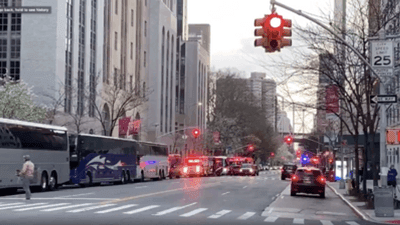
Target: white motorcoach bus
{"type": "Point", "coordinates": [152, 161]}
{"type": "Point", "coordinates": [47, 146]}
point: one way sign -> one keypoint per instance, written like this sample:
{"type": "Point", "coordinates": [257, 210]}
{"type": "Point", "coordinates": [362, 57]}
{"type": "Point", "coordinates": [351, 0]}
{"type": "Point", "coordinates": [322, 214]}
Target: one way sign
{"type": "Point", "coordinates": [383, 99]}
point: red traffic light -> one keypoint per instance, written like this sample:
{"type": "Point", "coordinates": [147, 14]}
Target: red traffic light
{"type": "Point", "coordinates": [250, 147]}
{"type": "Point", "coordinates": [196, 133]}
{"type": "Point", "coordinates": [273, 32]}
{"type": "Point", "coordinates": [331, 161]}
{"type": "Point", "coordinates": [289, 140]}
{"type": "Point", "coordinates": [272, 154]}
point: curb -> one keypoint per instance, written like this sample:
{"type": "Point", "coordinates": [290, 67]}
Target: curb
{"type": "Point", "coordinates": [355, 209]}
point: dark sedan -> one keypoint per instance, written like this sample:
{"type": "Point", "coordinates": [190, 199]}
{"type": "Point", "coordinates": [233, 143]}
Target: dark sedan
{"type": "Point", "coordinates": [308, 180]}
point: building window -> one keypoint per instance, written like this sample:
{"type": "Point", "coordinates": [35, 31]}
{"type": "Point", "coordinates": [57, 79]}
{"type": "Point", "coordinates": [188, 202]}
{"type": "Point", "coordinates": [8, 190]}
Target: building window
{"type": "Point", "coordinates": [131, 50]}
{"type": "Point", "coordinates": [115, 77]}
{"type": "Point", "coordinates": [116, 41]}
{"type": "Point", "coordinates": [14, 70]}
{"type": "Point", "coordinates": [130, 83]}
{"type": "Point", "coordinates": [144, 58]}
{"type": "Point", "coordinates": [132, 17]}
{"type": "Point", "coordinates": [3, 48]}
{"type": "Point", "coordinates": [15, 48]}
{"type": "Point", "coordinates": [145, 28]}
{"type": "Point", "coordinates": [144, 89]}
{"type": "Point", "coordinates": [16, 22]}
{"type": "Point", "coordinates": [92, 79]}
{"type": "Point", "coordinates": [116, 6]}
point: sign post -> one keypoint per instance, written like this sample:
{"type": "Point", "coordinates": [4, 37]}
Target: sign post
{"type": "Point", "coordinates": [382, 62]}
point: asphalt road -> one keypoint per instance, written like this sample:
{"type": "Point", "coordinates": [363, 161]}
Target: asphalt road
{"type": "Point", "coordinates": [209, 200]}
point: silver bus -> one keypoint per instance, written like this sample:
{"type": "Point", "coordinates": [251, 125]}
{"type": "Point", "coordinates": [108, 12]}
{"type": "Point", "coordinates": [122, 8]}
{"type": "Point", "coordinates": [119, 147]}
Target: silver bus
{"type": "Point", "coordinates": [47, 146]}
{"type": "Point", "coordinates": [152, 161]}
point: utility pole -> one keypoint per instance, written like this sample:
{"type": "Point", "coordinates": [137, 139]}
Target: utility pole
{"type": "Point", "coordinates": [343, 51]}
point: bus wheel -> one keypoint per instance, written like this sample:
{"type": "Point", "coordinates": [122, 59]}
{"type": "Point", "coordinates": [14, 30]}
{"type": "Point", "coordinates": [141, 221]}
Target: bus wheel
{"type": "Point", "coordinates": [89, 179]}
{"type": "Point", "coordinates": [159, 175]}
{"type": "Point", "coordinates": [123, 178]}
{"type": "Point", "coordinates": [163, 175]}
{"type": "Point", "coordinates": [53, 181]}
{"type": "Point", "coordinates": [44, 182]}
{"type": "Point", "coordinates": [142, 177]}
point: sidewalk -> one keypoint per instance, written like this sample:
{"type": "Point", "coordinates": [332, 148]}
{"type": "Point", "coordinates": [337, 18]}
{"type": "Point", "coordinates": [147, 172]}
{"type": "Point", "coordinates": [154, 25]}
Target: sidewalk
{"type": "Point", "coordinates": [360, 207]}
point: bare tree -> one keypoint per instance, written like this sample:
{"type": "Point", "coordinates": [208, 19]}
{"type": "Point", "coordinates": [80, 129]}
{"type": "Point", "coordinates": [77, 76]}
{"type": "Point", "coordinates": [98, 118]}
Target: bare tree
{"type": "Point", "coordinates": [119, 98]}
{"type": "Point", "coordinates": [346, 72]}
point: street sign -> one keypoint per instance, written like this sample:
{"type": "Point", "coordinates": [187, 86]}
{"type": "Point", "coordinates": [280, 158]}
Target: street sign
{"type": "Point", "coordinates": [383, 99]}
{"type": "Point", "coordinates": [382, 54]}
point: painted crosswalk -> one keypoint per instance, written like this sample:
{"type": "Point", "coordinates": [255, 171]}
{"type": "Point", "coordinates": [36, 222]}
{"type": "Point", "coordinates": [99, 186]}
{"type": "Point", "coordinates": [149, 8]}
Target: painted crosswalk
{"type": "Point", "coordinates": [186, 211]}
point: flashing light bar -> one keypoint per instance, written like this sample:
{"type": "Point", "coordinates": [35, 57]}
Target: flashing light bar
{"type": "Point", "coordinates": [194, 161]}
{"type": "Point", "coordinates": [151, 162]}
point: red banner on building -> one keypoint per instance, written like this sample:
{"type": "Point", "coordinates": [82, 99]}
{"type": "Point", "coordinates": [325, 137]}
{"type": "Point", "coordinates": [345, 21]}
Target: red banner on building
{"type": "Point", "coordinates": [332, 99]}
{"type": "Point", "coordinates": [392, 137]}
{"type": "Point", "coordinates": [123, 125]}
{"type": "Point", "coordinates": [134, 127]}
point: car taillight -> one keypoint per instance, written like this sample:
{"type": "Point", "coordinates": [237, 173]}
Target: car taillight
{"type": "Point", "coordinates": [295, 178]}
{"type": "Point", "coordinates": [282, 170]}
{"type": "Point", "coordinates": [321, 180]}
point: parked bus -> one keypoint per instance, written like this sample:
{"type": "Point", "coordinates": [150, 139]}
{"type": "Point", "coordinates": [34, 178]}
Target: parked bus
{"type": "Point", "coordinates": [46, 145]}
{"type": "Point", "coordinates": [98, 159]}
{"type": "Point", "coordinates": [152, 161]}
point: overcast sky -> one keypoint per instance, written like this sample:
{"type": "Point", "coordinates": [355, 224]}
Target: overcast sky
{"type": "Point", "coordinates": [232, 32]}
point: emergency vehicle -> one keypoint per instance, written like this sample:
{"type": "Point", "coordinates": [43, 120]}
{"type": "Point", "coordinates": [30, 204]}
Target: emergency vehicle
{"type": "Point", "coordinates": [196, 166]}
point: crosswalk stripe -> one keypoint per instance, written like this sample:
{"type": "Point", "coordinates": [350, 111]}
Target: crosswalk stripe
{"type": "Point", "coordinates": [66, 207]}
{"type": "Point", "coordinates": [172, 209]}
{"type": "Point", "coordinates": [273, 178]}
{"type": "Point", "coordinates": [41, 207]}
{"type": "Point", "coordinates": [142, 209]}
{"type": "Point", "coordinates": [298, 221]}
{"type": "Point", "coordinates": [352, 223]}
{"type": "Point", "coordinates": [194, 212]}
{"type": "Point", "coordinates": [116, 209]}
{"type": "Point", "coordinates": [246, 215]}
{"type": "Point", "coordinates": [10, 204]}
{"type": "Point", "coordinates": [20, 206]}
{"type": "Point", "coordinates": [326, 222]}
{"type": "Point", "coordinates": [219, 214]}
{"type": "Point", "coordinates": [90, 208]}
{"type": "Point", "coordinates": [271, 219]}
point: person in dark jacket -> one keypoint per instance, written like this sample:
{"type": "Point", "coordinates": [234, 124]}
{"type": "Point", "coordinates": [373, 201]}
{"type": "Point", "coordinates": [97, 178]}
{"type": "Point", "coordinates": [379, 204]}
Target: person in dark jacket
{"type": "Point", "coordinates": [391, 178]}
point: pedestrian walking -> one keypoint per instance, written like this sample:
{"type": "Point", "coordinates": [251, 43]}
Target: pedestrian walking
{"type": "Point", "coordinates": [27, 175]}
{"type": "Point", "coordinates": [391, 178]}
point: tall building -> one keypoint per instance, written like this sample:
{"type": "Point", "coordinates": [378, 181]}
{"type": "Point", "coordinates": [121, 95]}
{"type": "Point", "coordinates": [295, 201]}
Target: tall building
{"type": "Point", "coordinates": [264, 92]}
{"type": "Point", "coordinates": [161, 79]}
{"type": "Point", "coordinates": [125, 49]}
{"type": "Point", "coordinates": [197, 69]}
{"type": "Point", "coordinates": [182, 33]}
{"type": "Point", "coordinates": [57, 51]}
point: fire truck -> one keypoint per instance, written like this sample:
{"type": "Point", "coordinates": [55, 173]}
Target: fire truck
{"type": "Point", "coordinates": [196, 166]}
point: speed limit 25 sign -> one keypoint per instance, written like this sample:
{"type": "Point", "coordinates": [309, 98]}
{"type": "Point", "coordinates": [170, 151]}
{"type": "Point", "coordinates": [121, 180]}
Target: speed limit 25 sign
{"type": "Point", "coordinates": [382, 54]}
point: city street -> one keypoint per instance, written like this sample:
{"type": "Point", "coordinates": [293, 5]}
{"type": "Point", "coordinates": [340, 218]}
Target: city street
{"type": "Point", "coordinates": [208, 200]}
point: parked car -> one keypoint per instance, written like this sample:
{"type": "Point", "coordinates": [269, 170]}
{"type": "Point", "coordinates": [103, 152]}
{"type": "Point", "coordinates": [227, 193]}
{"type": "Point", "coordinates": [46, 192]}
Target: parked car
{"type": "Point", "coordinates": [308, 180]}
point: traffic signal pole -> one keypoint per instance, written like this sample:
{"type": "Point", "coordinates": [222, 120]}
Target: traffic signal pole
{"type": "Point", "coordinates": [382, 120]}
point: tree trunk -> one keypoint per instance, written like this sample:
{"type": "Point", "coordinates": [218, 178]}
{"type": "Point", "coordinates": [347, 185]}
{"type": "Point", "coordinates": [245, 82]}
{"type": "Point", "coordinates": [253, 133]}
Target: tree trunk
{"type": "Point", "coordinates": [357, 162]}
